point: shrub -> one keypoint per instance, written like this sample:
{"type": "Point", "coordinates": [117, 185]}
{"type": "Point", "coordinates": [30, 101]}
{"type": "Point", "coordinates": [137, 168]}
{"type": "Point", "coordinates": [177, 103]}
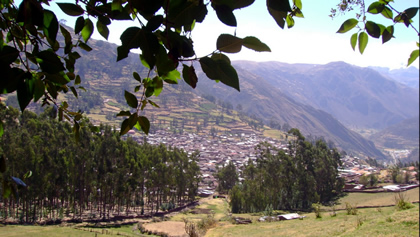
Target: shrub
{"type": "Point", "coordinates": [317, 209]}
{"type": "Point", "coordinates": [401, 201]}
{"type": "Point", "coordinates": [351, 209]}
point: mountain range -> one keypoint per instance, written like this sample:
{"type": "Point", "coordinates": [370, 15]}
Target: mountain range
{"type": "Point", "coordinates": [320, 100]}
{"type": "Point", "coordinates": [357, 97]}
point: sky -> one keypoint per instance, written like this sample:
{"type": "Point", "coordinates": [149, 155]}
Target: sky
{"type": "Point", "coordinates": [312, 40]}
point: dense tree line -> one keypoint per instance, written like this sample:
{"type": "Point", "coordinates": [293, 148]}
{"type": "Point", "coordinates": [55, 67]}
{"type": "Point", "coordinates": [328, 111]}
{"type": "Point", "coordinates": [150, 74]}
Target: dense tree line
{"type": "Point", "coordinates": [293, 180]}
{"type": "Point", "coordinates": [102, 174]}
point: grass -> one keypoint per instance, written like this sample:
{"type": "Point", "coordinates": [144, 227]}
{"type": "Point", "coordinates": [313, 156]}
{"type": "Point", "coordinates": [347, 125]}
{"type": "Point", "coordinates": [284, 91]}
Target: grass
{"type": "Point", "coordinates": [368, 222]}
{"type": "Point", "coordinates": [376, 199]}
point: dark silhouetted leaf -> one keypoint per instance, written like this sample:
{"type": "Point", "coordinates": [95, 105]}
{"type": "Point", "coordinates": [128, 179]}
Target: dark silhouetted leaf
{"type": "Point", "coordinates": [225, 15]}
{"type": "Point", "coordinates": [3, 166]}
{"type": "Point", "coordinates": [71, 9]}
{"type": "Point", "coordinates": [189, 75]}
{"type": "Point", "coordinates": [144, 123]}
{"type": "Point", "coordinates": [278, 16]}
{"type": "Point", "coordinates": [387, 34]}
{"type": "Point", "coordinates": [279, 5]}
{"type": "Point", "coordinates": [103, 29]}
{"type": "Point", "coordinates": [154, 23]}
{"type": "Point", "coordinates": [373, 29]}
{"type": "Point", "coordinates": [50, 62]}
{"type": "Point", "coordinates": [8, 54]}
{"type": "Point", "coordinates": [229, 43]}
{"type": "Point", "coordinates": [255, 44]}
{"type": "Point", "coordinates": [131, 99]}
{"type": "Point", "coordinates": [80, 23]}
{"type": "Point", "coordinates": [220, 70]}
{"type": "Point", "coordinates": [411, 12]}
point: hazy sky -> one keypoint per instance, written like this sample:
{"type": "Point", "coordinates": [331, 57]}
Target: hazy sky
{"type": "Point", "coordinates": [312, 39]}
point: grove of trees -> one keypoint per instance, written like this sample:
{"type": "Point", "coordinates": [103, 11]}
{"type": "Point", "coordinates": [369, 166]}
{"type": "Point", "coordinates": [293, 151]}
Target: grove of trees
{"type": "Point", "coordinates": [295, 180]}
{"type": "Point", "coordinates": [52, 176]}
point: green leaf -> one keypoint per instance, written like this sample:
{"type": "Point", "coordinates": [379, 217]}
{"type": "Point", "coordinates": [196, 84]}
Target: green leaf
{"type": "Point", "coordinates": [290, 22]}
{"type": "Point", "coordinates": [80, 23]}
{"type": "Point", "coordinates": [376, 8]}
{"type": "Point", "coordinates": [73, 90]}
{"type": "Point", "coordinates": [413, 56]}
{"type": "Point", "coordinates": [27, 175]}
{"type": "Point", "coordinates": [255, 44]}
{"type": "Point", "coordinates": [131, 99]}
{"type": "Point", "coordinates": [172, 77]}
{"type": "Point", "coordinates": [229, 43]}
{"type": "Point", "coordinates": [363, 41]}
{"type": "Point", "coordinates": [71, 9]}
{"type": "Point", "coordinates": [39, 89]}
{"type": "Point", "coordinates": [157, 85]}
{"type": "Point", "coordinates": [387, 34]}
{"type": "Point", "coordinates": [298, 3]}
{"type": "Point", "coordinates": [153, 104]}
{"type": "Point", "coordinates": [144, 123]}
{"type": "Point", "coordinates": [116, 5]}
{"type": "Point", "coordinates": [225, 15]}
{"type": "Point", "coordinates": [50, 25]}
{"type": "Point", "coordinates": [411, 12]}
{"type": "Point", "coordinates": [87, 30]}
{"type": "Point", "coordinates": [103, 29]}
{"type": "Point", "coordinates": [353, 41]}
{"type": "Point", "coordinates": [348, 25]}
{"type": "Point", "coordinates": [189, 75]}
{"type": "Point", "coordinates": [373, 29]}
{"type": "Point", "coordinates": [387, 13]}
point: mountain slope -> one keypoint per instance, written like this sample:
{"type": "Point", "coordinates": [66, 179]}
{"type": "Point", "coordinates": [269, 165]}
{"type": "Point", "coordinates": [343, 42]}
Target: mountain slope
{"type": "Point", "coordinates": [260, 98]}
{"type": "Point", "coordinates": [357, 97]}
{"type": "Point", "coordinates": [403, 135]}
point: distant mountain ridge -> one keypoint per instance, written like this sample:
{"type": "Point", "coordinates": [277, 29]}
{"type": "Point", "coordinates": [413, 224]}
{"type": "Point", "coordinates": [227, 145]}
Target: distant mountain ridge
{"type": "Point", "coordinates": [407, 76]}
{"type": "Point", "coordinates": [259, 97]}
{"type": "Point", "coordinates": [399, 136]}
{"type": "Point", "coordinates": [357, 97]}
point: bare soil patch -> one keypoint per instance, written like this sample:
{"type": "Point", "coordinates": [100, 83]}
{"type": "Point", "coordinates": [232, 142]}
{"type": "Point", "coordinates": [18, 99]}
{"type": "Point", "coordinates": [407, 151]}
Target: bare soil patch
{"type": "Point", "coordinates": [172, 228]}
